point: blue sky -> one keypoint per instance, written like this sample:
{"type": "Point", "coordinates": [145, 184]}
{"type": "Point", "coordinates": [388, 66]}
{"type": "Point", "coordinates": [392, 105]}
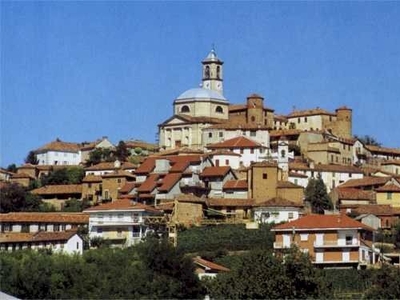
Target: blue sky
{"type": "Point", "coordinates": [82, 70]}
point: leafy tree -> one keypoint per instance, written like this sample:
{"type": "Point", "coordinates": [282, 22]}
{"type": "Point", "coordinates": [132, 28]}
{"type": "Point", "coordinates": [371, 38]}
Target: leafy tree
{"type": "Point", "coordinates": [316, 194]}
{"type": "Point", "coordinates": [12, 168]}
{"type": "Point", "coordinates": [138, 150]}
{"type": "Point", "coordinates": [68, 175]}
{"type": "Point", "coordinates": [74, 205]}
{"type": "Point", "coordinates": [385, 284]}
{"type": "Point", "coordinates": [75, 174]}
{"type": "Point", "coordinates": [368, 140]}
{"type": "Point", "coordinates": [31, 158]}
{"type": "Point", "coordinates": [261, 275]}
{"type": "Point", "coordinates": [99, 155]}
{"type": "Point", "coordinates": [121, 151]}
{"type": "Point", "coordinates": [14, 198]}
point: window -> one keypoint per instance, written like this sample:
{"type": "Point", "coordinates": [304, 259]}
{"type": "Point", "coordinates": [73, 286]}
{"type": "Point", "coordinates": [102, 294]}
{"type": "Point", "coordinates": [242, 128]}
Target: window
{"type": "Point", "coordinates": [304, 237]}
{"type": "Point", "coordinates": [265, 176]}
{"type": "Point", "coordinates": [241, 151]}
{"type": "Point", "coordinates": [89, 185]}
{"type": "Point", "coordinates": [252, 151]}
{"type": "Point", "coordinates": [296, 181]}
{"type": "Point", "coordinates": [227, 162]}
{"type": "Point", "coordinates": [283, 153]}
{"type": "Point", "coordinates": [298, 120]}
{"type": "Point", "coordinates": [221, 134]}
{"type": "Point", "coordinates": [389, 195]}
{"type": "Point", "coordinates": [290, 215]}
{"type": "Point", "coordinates": [217, 162]}
{"type": "Point", "coordinates": [210, 134]}
{"type": "Point", "coordinates": [305, 119]}
{"type": "Point", "coordinates": [219, 110]}
{"type": "Point", "coordinates": [262, 150]}
{"type": "Point", "coordinates": [42, 227]}
{"type": "Point", "coordinates": [120, 216]}
{"type": "Point", "coordinates": [119, 180]}
{"type": "Point", "coordinates": [253, 133]}
{"type": "Point", "coordinates": [185, 109]}
{"type": "Point", "coordinates": [25, 228]}
{"type": "Point", "coordinates": [207, 72]}
{"type": "Point", "coordinates": [77, 245]}
{"type": "Point", "coordinates": [218, 72]}
{"type": "Point", "coordinates": [253, 118]}
{"type": "Point", "coordinates": [99, 230]}
{"type": "Point", "coordinates": [56, 227]}
{"type": "Point", "coordinates": [350, 175]}
{"type": "Point", "coordinates": [349, 240]}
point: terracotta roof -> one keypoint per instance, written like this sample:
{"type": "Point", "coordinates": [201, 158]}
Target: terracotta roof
{"type": "Point", "coordinates": [382, 150]}
{"type": "Point", "coordinates": [209, 265]}
{"type": "Point", "coordinates": [92, 178]}
{"type": "Point", "coordinates": [278, 202]}
{"type": "Point", "coordinates": [40, 236]}
{"type": "Point", "coordinates": [222, 152]}
{"type": "Point", "coordinates": [309, 112]}
{"type": "Point", "coordinates": [237, 142]}
{"type": "Point", "coordinates": [21, 175]}
{"type": "Point", "coordinates": [149, 184]}
{"type": "Point", "coordinates": [110, 166]}
{"type": "Point", "coordinates": [325, 168]}
{"type": "Point", "coordinates": [223, 202]}
{"type": "Point", "coordinates": [377, 210]}
{"type": "Point", "coordinates": [122, 204]}
{"type": "Point", "coordinates": [280, 118]}
{"type": "Point", "coordinates": [178, 162]}
{"type": "Point", "coordinates": [235, 107]}
{"type": "Point", "coordinates": [235, 185]}
{"type": "Point", "coordinates": [45, 217]}
{"type": "Point", "coordinates": [324, 222]}
{"type": "Point", "coordinates": [355, 194]}
{"type": "Point", "coordinates": [288, 185]}
{"type": "Point", "coordinates": [295, 174]}
{"type": "Point", "coordinates": [59, 145]}
{"type": "Point", "coordinates": [366, 181]}
{"type": "Point", "coordinates": [238, 126]}
{"type": "Point", "coordinates": [128, 187]}
{"type": "Point", "coordinates": [179, 166]}
{"type": "Point", "coordinates": [215, 171]}
{"type": "Point", "coordinates": [178, 151]}
{"type": "Point", "coordinates": [265, 164]}
{"type": "Point", "coordinates": [390, 187]}
{"type": "Point", "coordinates": [58, 189]}
{"type": "Point", "coordinates": [169, 182]}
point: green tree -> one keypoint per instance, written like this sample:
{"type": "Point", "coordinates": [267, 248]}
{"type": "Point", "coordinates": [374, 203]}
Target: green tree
{"type": "Point", "coordinates": [31, 158]}
{"type": "Point", "coordinates": [75, 205]}
{"type": "Point", "coordinates": [121, 151]}
{"type": "Point", "coordinates": [261, 275]}
{"type": "Point", "coordinates": [12, 168]}
{"type": "Point", "coordinates": [316, 194]}
{"type": "Point", "coordinates": [68, 175]}
{"type": "Point", "coordinates": [368, 140]}
{"type": "Point", "coordinates": [75, 174]}
{"type": "Point", "coordinates": [385, 284]}
{"type": "Point", "coordinates": [99, 155]}
{"type": "Point", "coordinates": [14, 198]}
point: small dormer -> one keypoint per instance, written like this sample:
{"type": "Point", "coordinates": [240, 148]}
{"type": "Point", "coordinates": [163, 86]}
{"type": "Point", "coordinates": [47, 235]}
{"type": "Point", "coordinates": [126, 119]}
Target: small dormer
{"type": "Point", "coordinates": [162, 166]}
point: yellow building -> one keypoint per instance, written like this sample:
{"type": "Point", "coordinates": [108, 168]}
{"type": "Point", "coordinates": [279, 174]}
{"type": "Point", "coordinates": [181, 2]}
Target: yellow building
{"type": "Point", "coordinates": [388, 194]}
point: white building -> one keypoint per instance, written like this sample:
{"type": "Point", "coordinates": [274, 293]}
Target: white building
{"type": "Point", "coordinates": [59, 153]}
{"type": "Point", "coordinates": [277, 210]}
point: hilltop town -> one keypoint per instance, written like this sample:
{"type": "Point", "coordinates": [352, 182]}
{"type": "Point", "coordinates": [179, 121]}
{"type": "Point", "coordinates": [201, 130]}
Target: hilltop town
{"type": "Point", "coordinates": [321, 188]}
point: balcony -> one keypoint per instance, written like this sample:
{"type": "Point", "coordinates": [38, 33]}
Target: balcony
{"type": "Point", "coordinates": [280, 245]}
{"type": "Point", "coordinates": [336, 244]}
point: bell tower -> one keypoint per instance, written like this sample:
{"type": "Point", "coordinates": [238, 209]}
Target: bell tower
{"type": "Point", "coordinates": [213, 72]}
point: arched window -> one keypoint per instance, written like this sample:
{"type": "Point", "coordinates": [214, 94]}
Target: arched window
{"type": "Point", "coordinates": [219, 110]}
{"type": "Point", "coordinates": [185, 109]}
{"type": "Point", "coordinates": [283, 153]}
{"type": "Point", "coordinates": [207, 72]}
{"type": "Point", "coordinates": [218, 72]}
{"type": "Point", "coordinates": [253, 118]}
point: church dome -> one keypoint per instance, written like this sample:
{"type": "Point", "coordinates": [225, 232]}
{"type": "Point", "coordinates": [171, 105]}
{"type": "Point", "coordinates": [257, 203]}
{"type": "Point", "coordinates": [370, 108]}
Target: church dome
{"type": "Point", "coordinates": [201, 94]}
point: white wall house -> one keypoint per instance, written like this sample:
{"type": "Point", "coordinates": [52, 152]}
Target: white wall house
{"type": "Point", "coordinates": [59, 153]}
{"type": "Point", "coordinates": [122, 221]}
{"type": "Point", "coordinates": [277, 210]}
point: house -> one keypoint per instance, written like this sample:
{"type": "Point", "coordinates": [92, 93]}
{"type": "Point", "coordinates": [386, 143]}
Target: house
{"type": "Point", "coordinates": [68, 242]}
{"type": "Point", "coordinates": [113, 182]}
{"type": "Point", "coordinates": [238, 210]}
{"type": "Point", "coordinates": [388, 215]}
{"type": "Point", "coordinates": [389, 194]}
{"type": "Point", "coordinates": [345, 197]}
{"type": "Point", "coordinates": [277, 210]}
{"type": "Point", "coordinates": [391, 166]}
{"type": "Point", "coordinates": [59, 153]}
{"type": "Point", "coordinates": [215, 178]}
{"type": "Point", "coordinates": [369, 220]}
{"type": "Point", "coordinates": [59, 193]}
{"type": "Point", "coordinates": [225, 158]}
{"type": "Point", "coordinates": [122, 221]}
{"type": "Point", "coordinates": [330, 240]}
{"type": "Point", "coordinates": [235, 189]}
{"type": "Point", "coordinates": [207, 269]}
{"type": "Point", "coordinates": [92, 188]}
{"type": "Point", "coordinates": [5, 175]}
{"type": "Point", "coordinates": [88, 147]}
{"type": "Point", "coordinates": [249, 150]}
{"type": "Point", "coordinates": [30, 222]}
{"type": "Point", "coordinates": [369, 183]}
{"type": "Point", "coordinates": [110, 167]}
{"type": "Point", "coordinates": [22, 179]}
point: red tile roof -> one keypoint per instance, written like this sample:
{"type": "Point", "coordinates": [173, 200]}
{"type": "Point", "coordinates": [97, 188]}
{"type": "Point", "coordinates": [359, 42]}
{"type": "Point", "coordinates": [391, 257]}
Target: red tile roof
{"type": "Point", "coordinates": [239, 142]}
{"type": "Point", "coordinates": [169, 182]}
{"type": "Point", "coordinates": [366, 181]}
{"type": "Point", "coordinates": [59, 145]}
{"type": "Point", "coordinates": [288, 185]}
{"type": "Point", "coordinates": [41, 236]}
{"type": "Point", "coordinates": [355, 194]}
{"type": "Point", "coordinates": [377, 210]}
{"type": "Point", "coordinates": [390, 187]}
{"type": "Point", "coordinates": [209, 265]}
{"type": "Point", "coordinates": [92, 178]}
{"type": "Point", "coordinates": [222, 152]}
{"type": "Point", "coordinates": [179, 162]}
{"type": "Point", "coordinates": [382, 150]}
{"type": "Point", "coordinates": [122, 204]}
{"type": "Point", "coordinates": [235, 185]}
{"type": "Point", "coordinates": [278, 202]}
{"type": "Point", "coordinates": [58, 189]}
{"type": "Point", "coordinates": [45, 217]}
{"type": "Point", "coordinates": [215, 171]}
{"type": "Point", "coordinates": [119, 173]}
{"type": "Point", "coordinates": [128, 187]}
{"type": "Point", "coordinates": [322, 222]}
{"type": "Point", "coordinates": [149, 184]}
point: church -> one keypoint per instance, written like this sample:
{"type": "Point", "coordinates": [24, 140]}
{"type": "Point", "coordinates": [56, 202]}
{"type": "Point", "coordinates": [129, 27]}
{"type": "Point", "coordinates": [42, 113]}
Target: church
{"type": "Point", "coordinates": [203, 115]}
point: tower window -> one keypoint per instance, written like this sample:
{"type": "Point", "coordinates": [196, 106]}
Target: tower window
{"type": "Point", "coordinates": [207, 72]}
{"type": "Point", "coordinates": [219, 110]}
{"type": "Point", "coordinates": [253, 118]}
{"type": "Point", "coordinates": [185, 109]}
{"type": "Point", "coordinates": [218, 72]}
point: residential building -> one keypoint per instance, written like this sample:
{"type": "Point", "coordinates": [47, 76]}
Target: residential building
{"type": "Point", "coordinates": [330, 240]}
{"type": "Point", "coordinates": [347, 197]}
{"type": "Point", "coordinates": [388, 194]}
{"type": "Point", "coordinates": [224, 158]}
{"type": "Point", "coordinates": [215, 178]}
{"type": "Point", "coordinates": [68, 242]}
{"type": "Point", "coordinates": [277, 210]}
{"type": "Point", "coordinates": [110, 167]}
{"type": "Point", "coordinates": [123, 221]}
{"type": "Point", "coordinates": [57, 194]}
{"type": "Point", "coordinates": [59, 153]}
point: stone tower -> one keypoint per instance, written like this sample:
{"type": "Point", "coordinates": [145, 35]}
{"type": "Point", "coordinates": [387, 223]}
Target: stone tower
{"type": "Point", "coordinates": [344, 121]}
{"type": "Point", "coordinates": [255, 109]}
{"type": "Point", "coordinates": [213, 72]}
